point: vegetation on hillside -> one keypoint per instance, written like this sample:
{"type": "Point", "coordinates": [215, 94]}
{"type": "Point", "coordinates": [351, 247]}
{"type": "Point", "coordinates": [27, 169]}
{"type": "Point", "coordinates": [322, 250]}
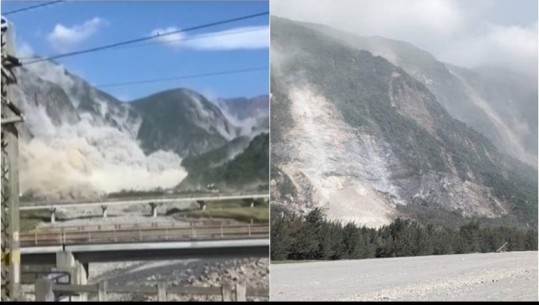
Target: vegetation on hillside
{"type": "Point", "coordinates": [171, 121]}
{"type": "Point", "coordinates": [250, 166]}
{"type": "Point", "coordinates": [215, 157]}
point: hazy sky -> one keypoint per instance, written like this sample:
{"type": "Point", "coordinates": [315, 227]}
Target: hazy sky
{"type": "Point", "coordinates": [462, 32]}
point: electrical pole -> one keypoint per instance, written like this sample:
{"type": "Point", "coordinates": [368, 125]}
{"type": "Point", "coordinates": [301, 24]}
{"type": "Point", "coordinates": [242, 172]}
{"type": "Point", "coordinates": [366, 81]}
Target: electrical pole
{"type": "Point", "coordinates": [10, 114]}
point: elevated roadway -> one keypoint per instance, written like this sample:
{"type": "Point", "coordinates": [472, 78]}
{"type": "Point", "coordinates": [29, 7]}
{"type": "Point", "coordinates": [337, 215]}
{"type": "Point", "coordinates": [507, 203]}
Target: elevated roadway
{"type": "Point", "coordinates": [132, 201]}
{"type": "Point", "coordinates": [147, 243]}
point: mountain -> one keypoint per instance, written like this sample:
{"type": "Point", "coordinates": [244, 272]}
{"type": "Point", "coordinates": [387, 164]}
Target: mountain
{"type": "Point", "coordinates": [368, 142]}
{"type": "Point", "coordinates": [244, 108]}
{"type": "Point", "coordinates": [181, 121]}
{"type": "Point", "coordinates": [237, 166]}
{"type": "Point", "coordinates": [500, 104]}
{"type": "Point", "coordinates": [80, 142]}
{"type": "Point", "coordinates": [62, 98]}
{"type": "Point", "coordinates": [250, 114]}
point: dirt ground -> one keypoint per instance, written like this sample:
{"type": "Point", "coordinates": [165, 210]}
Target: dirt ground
{"type": "Point", "coordinates": [510, 276]}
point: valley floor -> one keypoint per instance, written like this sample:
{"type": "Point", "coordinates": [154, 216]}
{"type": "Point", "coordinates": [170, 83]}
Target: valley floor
{"type": "Point", "coordinates": [510, 276]}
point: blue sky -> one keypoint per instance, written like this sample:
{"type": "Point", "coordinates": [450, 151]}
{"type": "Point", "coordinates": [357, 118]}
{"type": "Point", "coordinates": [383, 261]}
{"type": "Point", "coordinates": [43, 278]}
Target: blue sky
{"type": "Point", "coordinates": [71, 26]}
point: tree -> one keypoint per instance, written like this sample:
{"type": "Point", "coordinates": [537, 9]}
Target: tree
{"type": "Point", "coordinates": [469, 234]}
{"type": "Point", "coordinates": [350, 241]}
{"type": "Point", "coordinates": [280, 238]}
{"type": "Point", "coordinates": [531, 240]}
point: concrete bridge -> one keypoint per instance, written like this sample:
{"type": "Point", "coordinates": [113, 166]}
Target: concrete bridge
{"type": "Point", "coordinates": [155, 243]}
{"type": "Point", "coordinates": [153, 202]}
{"type": "Point", "coordinates": [70, 252]}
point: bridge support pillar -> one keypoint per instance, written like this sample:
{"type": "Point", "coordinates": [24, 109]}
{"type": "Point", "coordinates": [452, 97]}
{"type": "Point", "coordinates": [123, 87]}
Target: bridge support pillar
{"type": "Point", "coordinates": [86, 268]}
{"type": "Point", "coordinates": [161, 292]}
{"type": "Point", "coordinates": [153, 206]}
{"type": "Point", "coordinates": [202, 204]}
{"type": "Point", "coordinates": [231, 292]}
{"type": "Point", "coordinates": [53, 215]}
{"type": "Point", "coordinates": [43, 290]}
{"type": "Point", "coordinates": [241, 293]}
{"type": "Point", "coordinates": [102, 291]}
{"type": "Point", "coordinates": [252, 203]}
{"type": "Point", "coordinates": [104, 211]}
{"type": "Point", "coordinates": [65, 261]}
{"type": "Point", "coordinates": [226, 292]}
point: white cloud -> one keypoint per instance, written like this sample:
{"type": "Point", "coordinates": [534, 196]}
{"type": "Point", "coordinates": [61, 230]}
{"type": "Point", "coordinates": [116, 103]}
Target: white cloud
{"type": "Point", "coordinates": [238, 38]}
{"type": "Point", "coordinates": [170, 39]}
{"type": "Point", "coordinates": [464, 33]}
{"type": "Point", "coordinates": [255, 37]}
{"type": "Point", "coordinates": [511, 46]}
{"type": "Point", "coordinates": [391, 19]}
{"type": "Point", "coordinates": [64, 38]}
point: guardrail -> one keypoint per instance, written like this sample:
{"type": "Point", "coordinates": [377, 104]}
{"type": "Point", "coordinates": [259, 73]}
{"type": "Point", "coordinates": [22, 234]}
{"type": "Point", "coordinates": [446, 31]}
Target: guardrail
{"type": "Point", "coordinates": [47, 291]}
{"type": "Point", "coordinates": [158, 200]}
{"type": "Point", "coordinates": [146, 234]}
{"type": "Point", "coordinates": [145, 225]}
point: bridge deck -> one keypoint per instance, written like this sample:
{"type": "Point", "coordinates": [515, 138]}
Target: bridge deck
{"type": "Point", "coordinates": [129, 235]}
{"type": "Point", "coordinates": [157, 200]}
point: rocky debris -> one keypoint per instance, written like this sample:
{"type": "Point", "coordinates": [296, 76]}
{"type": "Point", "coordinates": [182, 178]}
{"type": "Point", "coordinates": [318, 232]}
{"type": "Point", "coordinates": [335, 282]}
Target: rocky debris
{"type": "Point", "coordinates": [253, 272]}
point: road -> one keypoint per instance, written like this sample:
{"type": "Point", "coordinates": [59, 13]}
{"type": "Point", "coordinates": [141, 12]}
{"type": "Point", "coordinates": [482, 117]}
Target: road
{"type": "Point", "coordinates": [157, 243]}
{"type": "Point", "coordinates": [158, 233]}
{"type": "Point", "coordinates": [510, 276]}
{"type": "Point", "coordinates": [132, 201]}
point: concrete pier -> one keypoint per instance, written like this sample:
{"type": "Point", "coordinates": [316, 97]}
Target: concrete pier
{"type": "Point", "coordinates": [202, 204]}
{"type": "Point", "coordinates": [53, 215]}
{"type": "Point", "coordinates": [153, 207]}
{"type": "Point", "coordinates": [65, 261]}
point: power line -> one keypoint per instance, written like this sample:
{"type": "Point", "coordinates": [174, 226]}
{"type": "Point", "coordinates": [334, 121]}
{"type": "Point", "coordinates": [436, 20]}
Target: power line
{"type": "Point", "coordinates": [183, 77]}
{"type": "Point", "coordinates": [32, 7]}
{"type": "Point", "coordinates": [146, 38]}
{"type": "Point", "coordinates": [153, 43]}
{"type": "Point", "coordinates": [150, 43]}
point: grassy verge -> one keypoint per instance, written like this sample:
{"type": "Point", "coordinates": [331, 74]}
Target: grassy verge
{"type": "Point", "coordinates": [30, 219]}
{"type": "Point", "coordinates": [27, 225]}
{"type": "Point", "coordinates": [258, 214]}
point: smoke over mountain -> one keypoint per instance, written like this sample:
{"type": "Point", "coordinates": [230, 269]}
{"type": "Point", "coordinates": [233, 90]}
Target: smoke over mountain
{"type": "Point", "coordinates": [78, 142]}
{"type": "Point", "coordinates": [81, 161]}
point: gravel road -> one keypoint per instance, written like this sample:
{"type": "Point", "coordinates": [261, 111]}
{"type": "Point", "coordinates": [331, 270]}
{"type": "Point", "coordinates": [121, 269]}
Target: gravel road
{"type": "Point", "coordinates": [510, 276]}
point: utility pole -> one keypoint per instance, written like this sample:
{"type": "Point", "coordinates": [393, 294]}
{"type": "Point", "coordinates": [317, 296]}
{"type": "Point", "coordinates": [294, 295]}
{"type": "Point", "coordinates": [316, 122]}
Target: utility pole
{"type": "Point", "coordinates": [10, 114]}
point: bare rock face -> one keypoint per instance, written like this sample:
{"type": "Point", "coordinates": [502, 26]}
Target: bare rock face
{"type": "Point", "coordinates": [359, 137]}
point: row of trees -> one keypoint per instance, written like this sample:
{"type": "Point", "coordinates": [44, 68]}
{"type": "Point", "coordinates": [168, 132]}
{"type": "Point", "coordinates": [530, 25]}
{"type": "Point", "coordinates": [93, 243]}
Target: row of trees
{"type": "Point", "coordinates": [314, 238]}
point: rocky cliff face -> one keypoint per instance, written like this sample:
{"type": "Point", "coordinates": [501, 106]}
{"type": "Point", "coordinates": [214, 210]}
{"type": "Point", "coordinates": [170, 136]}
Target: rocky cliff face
{"type": "Point", "coordinates": [498, 103]}
{"type": "Point", "coordinates": [183, 121]}
{"type": "Point", "coordinates": [361, 137]}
